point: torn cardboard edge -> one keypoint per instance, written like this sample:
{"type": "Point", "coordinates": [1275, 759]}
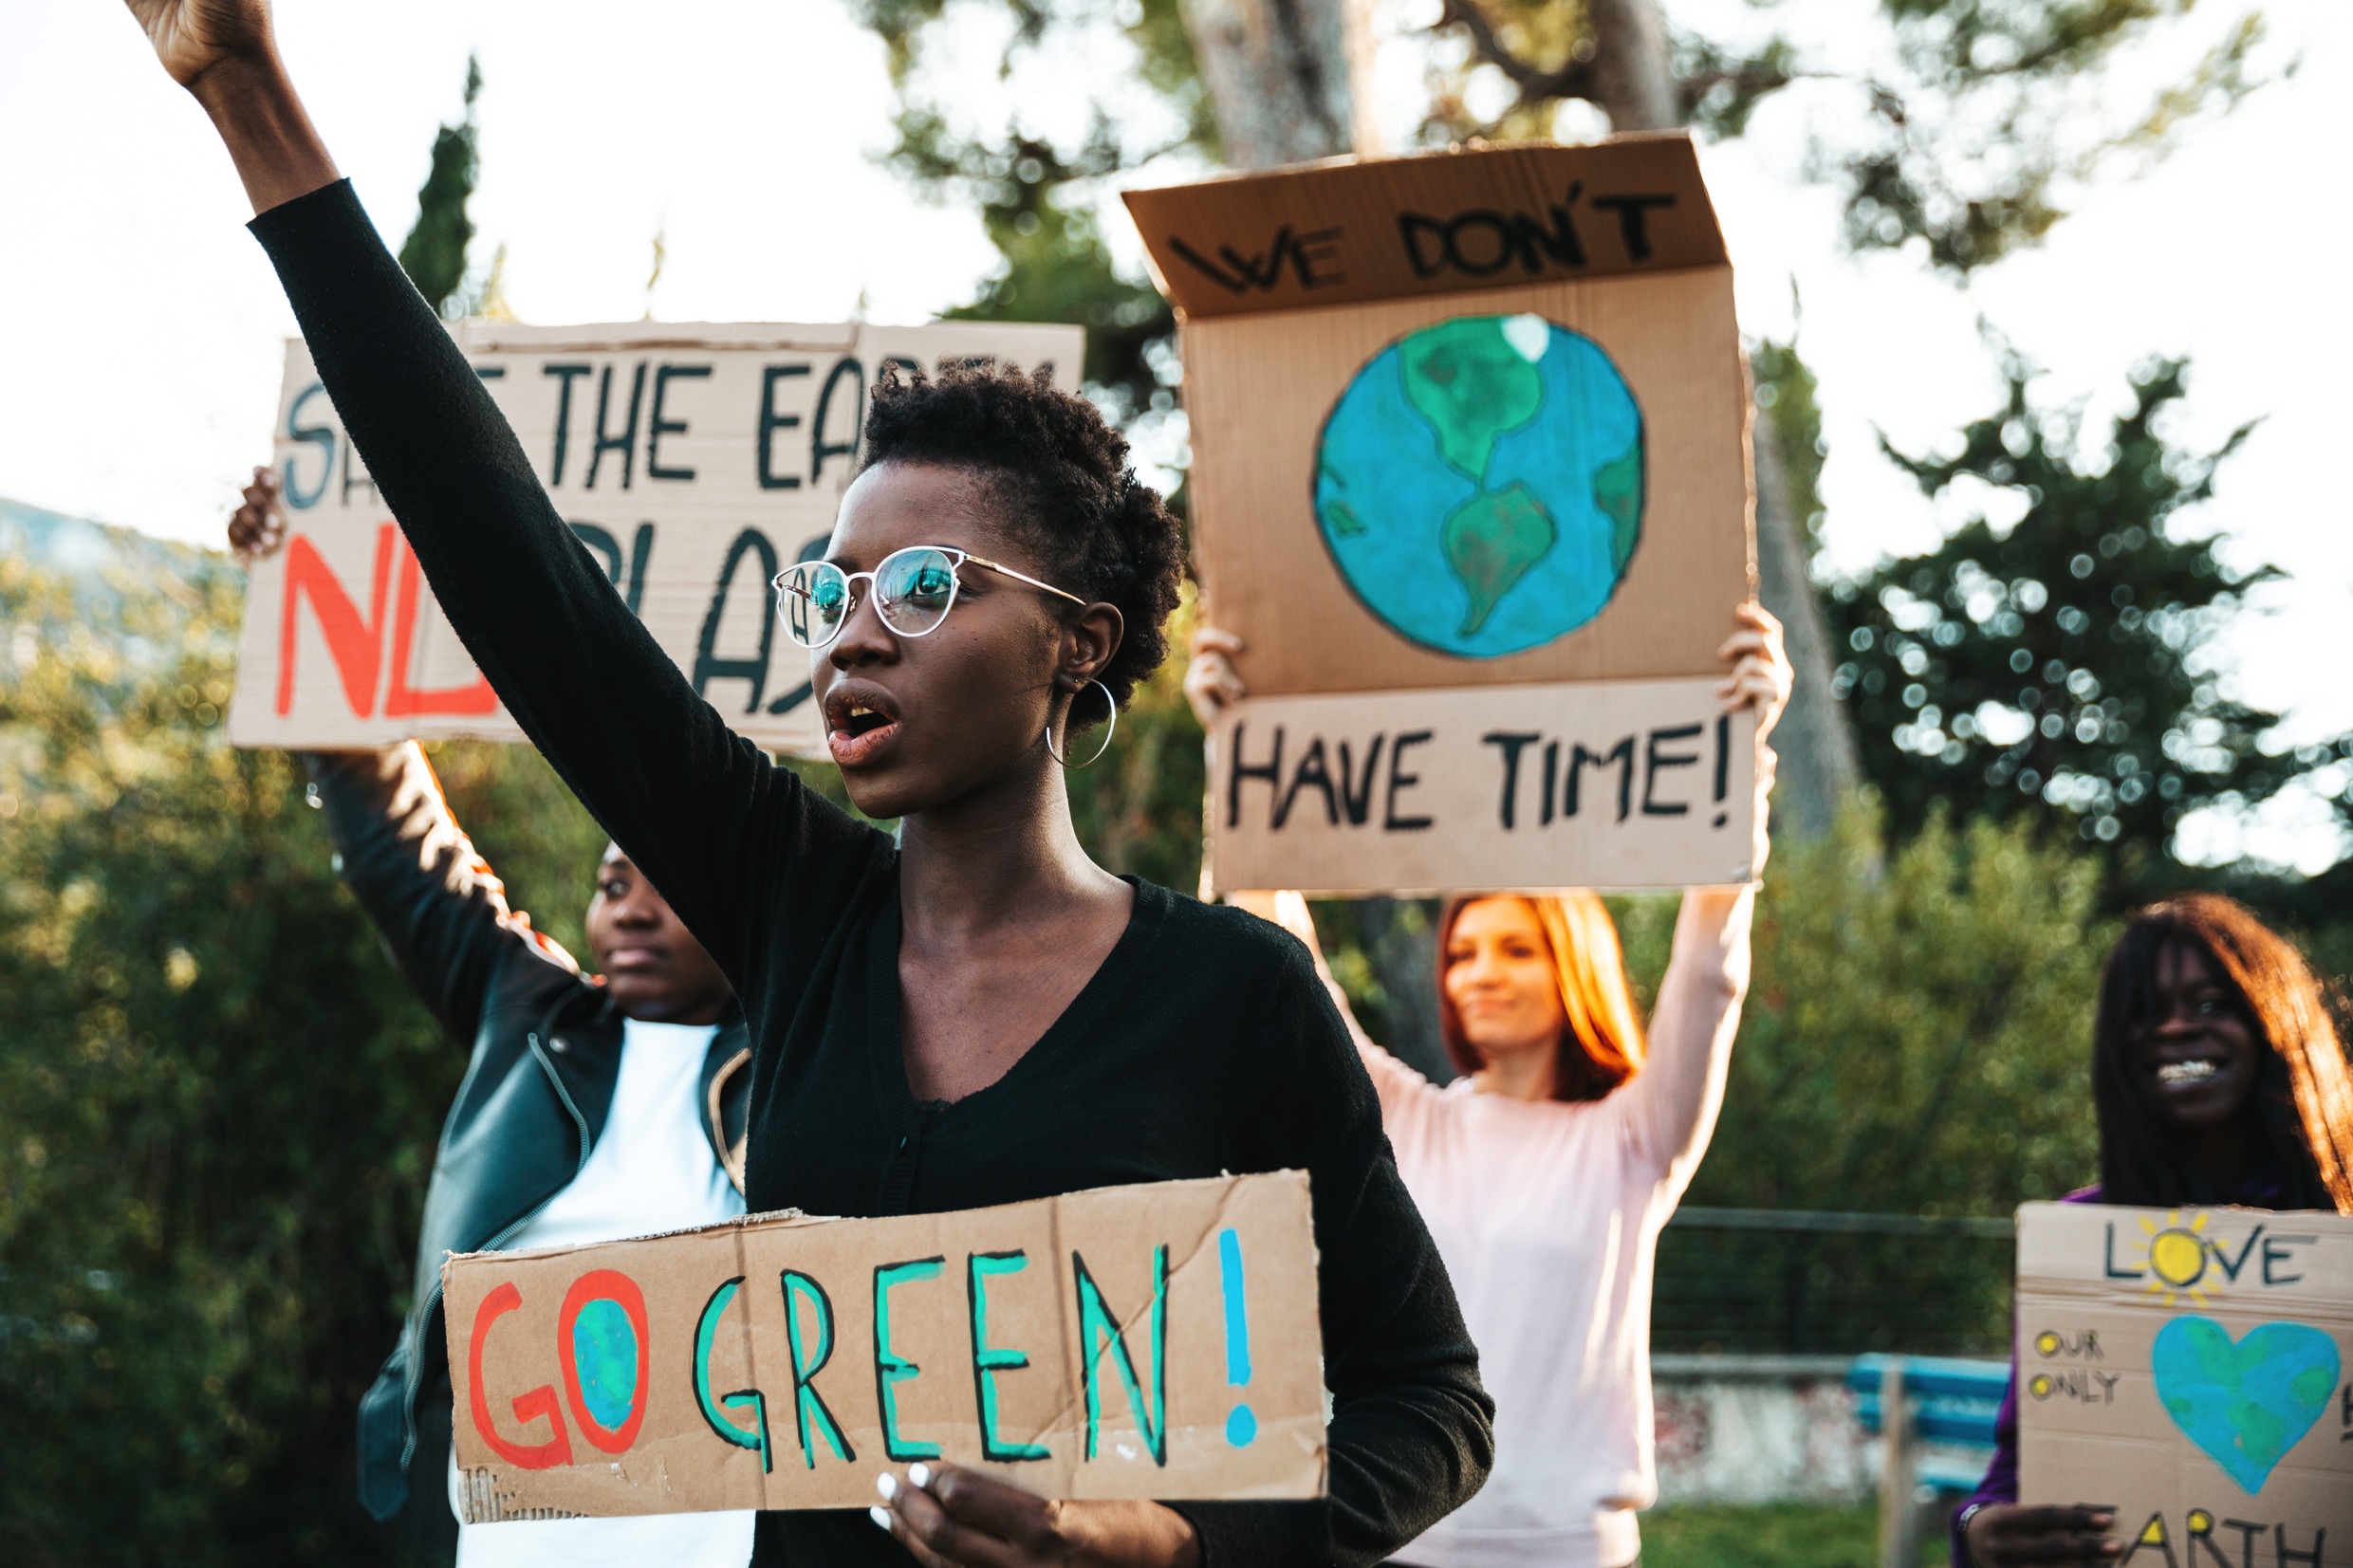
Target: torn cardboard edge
{"type": "Point", "coordinates": [1452, 220]}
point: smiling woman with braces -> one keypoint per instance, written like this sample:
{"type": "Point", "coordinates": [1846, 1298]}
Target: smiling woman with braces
{"type": "Point", "coordinates": [2218, 1078]}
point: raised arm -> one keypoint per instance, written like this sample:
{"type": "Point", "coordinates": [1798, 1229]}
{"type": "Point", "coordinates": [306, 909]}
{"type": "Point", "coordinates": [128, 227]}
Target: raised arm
{"type": "Point", "coordinates": [693, 805]}
{"type": "Point", "coordinates": [1670, 1105]}
{"type": "Point", "coordinates": [435, 902]}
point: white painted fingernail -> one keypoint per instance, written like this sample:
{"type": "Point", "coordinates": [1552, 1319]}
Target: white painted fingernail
{"type": "Point", "coordinates": [887, 1484]}
{"type": "Point", "coordinates": [919, 1474]}
{"type": "Point", "coordinates": [881, 1516]}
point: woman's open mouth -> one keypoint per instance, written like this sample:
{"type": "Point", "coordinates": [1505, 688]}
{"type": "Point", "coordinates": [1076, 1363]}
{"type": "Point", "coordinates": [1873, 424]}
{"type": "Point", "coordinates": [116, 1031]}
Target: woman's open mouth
{"type": "Point", "coordinates": [2180, 1075]}
{"type": "Point", "coordinates": [858, 728]}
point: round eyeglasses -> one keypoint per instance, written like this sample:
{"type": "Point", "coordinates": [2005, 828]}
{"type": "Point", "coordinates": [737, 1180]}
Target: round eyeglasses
{"type": "Point", "coordinates": [914, 590]}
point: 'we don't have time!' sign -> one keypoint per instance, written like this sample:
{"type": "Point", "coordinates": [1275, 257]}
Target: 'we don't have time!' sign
{"type": "Point", "coordinates": [694, 461]}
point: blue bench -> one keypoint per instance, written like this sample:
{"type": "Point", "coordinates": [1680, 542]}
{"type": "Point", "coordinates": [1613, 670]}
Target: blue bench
{"type": "Point", "coordinates": [1956, 1403]}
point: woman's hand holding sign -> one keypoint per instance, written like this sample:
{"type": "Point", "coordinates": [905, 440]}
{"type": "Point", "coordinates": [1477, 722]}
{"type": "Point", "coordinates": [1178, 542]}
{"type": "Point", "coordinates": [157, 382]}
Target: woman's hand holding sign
{"type": "Point", "coordinates": [2005, 1534]}
{"type": "Point", "coordinates": [950, 1517]}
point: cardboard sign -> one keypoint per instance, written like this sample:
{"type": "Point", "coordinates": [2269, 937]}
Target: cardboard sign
{"type": "Point", "coordinates": [1150, 1341]}
{"type": "Point", "coordinates": [694, 461]}
{"type": "Point", "coordinates": [2189, 1369]}
{"type": "Point", "coordinates": [1466, 420]}
{"type": "Point", "coordinates": [1498, 786]}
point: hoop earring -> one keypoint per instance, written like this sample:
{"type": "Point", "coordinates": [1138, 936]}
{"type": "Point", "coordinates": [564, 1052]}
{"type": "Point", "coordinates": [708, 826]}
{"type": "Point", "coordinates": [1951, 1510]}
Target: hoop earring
{"type": "Point", "coordinates": [1111, 727]}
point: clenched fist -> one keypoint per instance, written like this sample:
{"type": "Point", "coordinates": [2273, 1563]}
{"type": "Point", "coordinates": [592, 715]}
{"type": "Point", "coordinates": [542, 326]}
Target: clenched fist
{"type": "Point", "coordinates": [192, 37]}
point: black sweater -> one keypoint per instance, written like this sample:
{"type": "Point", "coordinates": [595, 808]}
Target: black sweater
{"type": "Point", "coordinates": [1204, 1043]}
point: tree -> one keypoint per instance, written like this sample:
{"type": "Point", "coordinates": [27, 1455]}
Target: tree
{"type": "Point", "coordinates": [1968, 148]}
{"type": "Point", "coordinates": [1917, 1041]}
{"type": "Point", "coordinates": [2062, 667]}
{"type": "Point", "coordinates": [434, 255]}
{"type": "Point", "coordinates": [218, 1104]}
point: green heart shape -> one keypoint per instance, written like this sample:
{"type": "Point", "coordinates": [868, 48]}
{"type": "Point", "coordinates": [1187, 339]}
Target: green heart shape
{"type": "Point", "coordinates": [2245, 1403]}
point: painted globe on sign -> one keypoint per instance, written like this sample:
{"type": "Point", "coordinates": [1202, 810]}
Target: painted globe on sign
{"type": "Point", "coordinates": [1480, 484]}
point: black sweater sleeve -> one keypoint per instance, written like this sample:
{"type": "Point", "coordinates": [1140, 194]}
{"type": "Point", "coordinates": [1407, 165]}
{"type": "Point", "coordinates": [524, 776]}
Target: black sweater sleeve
{"type": "Point", "coordinates": [440, 909]}
{"type": "Point", "coordinates": [1412, 1435]}
{"type": "Point", "coordinates": [692, 804]}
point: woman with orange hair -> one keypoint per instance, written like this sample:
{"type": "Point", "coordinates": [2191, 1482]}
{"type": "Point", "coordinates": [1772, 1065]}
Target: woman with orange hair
{"type": "Point", "coordinates": [1545, 1171]}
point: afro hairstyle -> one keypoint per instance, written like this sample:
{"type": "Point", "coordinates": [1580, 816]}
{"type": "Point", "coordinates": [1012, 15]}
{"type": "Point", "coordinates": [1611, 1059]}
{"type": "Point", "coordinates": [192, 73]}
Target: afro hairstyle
{"type": "Point", "coordinates": [1059, 480]}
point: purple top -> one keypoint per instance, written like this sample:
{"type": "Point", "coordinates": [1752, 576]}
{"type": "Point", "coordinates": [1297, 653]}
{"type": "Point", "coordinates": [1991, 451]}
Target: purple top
{"type": "Point", "coordinates": [2001, 1478]}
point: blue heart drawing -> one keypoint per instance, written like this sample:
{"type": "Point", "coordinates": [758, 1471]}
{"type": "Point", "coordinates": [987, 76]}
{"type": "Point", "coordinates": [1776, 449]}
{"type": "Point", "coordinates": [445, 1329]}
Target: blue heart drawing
{"type": "Point", "coordinates": [2245, 1403]}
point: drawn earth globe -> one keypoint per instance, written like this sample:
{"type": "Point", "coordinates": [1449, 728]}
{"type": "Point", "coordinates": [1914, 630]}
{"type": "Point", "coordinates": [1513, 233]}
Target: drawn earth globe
{"type": "Point", "coordinates": [1480, 484]}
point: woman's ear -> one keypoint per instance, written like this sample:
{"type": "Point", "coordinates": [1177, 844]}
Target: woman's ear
{"type": "Point", "coordinates": [1089, 644]}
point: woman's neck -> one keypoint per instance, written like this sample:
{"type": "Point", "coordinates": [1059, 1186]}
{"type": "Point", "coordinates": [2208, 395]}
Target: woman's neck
{"type": "Point", "coordinates": [1003, 854]}
{"type": "Point", "coordinates": [1517, 1075]}
{"type": "Point", "coordinates": [2229, 1154]}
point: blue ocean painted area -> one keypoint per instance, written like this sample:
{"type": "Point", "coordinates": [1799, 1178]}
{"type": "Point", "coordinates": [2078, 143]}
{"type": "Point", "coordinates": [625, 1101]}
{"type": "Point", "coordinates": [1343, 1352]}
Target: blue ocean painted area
{"type": "Point", "coordinates": [605, 1353]}
{"type": "Point", "coordinates": [1384, 491]}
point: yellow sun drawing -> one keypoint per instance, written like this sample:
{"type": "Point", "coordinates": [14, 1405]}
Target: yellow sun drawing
{"type": "Point", "coordinates": [2176, 1256]}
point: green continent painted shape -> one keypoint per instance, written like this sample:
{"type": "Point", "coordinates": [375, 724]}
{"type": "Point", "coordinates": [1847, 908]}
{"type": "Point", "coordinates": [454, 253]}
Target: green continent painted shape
{"type": "Point", "coordinates": [1473, 386]}
{"type": "Point", "coordinates": [1490, 542]}
{"type": "Point", "coordinates": [1618, 491]}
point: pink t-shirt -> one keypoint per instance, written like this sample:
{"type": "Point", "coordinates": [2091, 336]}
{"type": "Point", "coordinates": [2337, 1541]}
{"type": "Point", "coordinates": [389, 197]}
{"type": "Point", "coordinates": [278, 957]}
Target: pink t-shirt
{"type": "Point", "coordinates": [1547, 1215]}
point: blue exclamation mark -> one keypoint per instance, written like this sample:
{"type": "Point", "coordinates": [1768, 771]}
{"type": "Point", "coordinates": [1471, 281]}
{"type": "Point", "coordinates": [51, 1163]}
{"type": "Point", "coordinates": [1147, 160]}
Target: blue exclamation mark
{"type": "Point", "coordinates": [1241, 1426]}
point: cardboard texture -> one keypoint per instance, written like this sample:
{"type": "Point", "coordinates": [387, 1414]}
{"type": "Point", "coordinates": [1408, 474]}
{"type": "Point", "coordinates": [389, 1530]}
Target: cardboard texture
{"type": "Point", "coordinates": [1621, 783]}
{"type": "Point", "coordinates": [1150, 1341]}
{"type": "Point", "coordinates": [1464, 420]}
{"type": "Point", "coordinates": [694, 461]}
{"type": "Point", "coordinates": [2188, 1368]}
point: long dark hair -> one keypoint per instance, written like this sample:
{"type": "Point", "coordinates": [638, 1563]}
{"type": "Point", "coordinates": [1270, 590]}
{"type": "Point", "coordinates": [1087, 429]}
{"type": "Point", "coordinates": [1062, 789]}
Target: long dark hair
{"type": "Point", "coordinates": [2303, 1095]}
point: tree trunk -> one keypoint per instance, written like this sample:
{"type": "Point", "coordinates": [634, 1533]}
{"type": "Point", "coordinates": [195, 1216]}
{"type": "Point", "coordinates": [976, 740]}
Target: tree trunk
{"type": "Point", "coordinates": [1634, 77]}
{"type": "Point", "coordinates": [1290, 79]}
{"type": "Point", "coordinates": [1816, 744]}
{"type": "Point", "coordinates": [1634, 83]}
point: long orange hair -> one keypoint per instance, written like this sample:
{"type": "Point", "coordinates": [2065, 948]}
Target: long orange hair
{"type": "Point", "coordinates": [1601, 1044]}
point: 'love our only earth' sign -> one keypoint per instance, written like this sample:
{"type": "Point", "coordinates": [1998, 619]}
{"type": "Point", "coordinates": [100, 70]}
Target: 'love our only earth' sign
{"type": "Point", "coordinates": [2188, 1369]}
{"type": "Point", "coordinates": [1150, 1341]}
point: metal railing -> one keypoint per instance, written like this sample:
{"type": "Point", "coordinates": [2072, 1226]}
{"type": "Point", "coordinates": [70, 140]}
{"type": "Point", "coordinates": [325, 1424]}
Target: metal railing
{"type": "Point", "coordinates": [1754, 1282]}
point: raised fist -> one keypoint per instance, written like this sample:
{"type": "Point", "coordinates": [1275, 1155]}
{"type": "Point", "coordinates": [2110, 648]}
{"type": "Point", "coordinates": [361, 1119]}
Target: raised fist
{"type": "Point", "coordinates": [193, 36]}
{"type": "Point", "coordinates": [257, 527]}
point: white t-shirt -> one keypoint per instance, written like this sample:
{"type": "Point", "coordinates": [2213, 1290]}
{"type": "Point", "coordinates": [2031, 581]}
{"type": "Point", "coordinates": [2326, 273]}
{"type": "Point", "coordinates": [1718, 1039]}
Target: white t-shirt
{"type": "Point", "coordinates": [1548, 1216]}
{"type": "Point", "coordinates": [651, 1170]}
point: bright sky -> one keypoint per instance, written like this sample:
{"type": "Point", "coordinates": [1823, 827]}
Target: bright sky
{"type": "Point", "coordinates": [138, 367]}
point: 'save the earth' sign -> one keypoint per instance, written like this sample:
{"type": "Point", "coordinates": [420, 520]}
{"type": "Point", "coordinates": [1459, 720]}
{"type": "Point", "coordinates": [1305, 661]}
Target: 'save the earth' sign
{"type": "Point", "coordinates": [1471, 423]}
{"type": "Point", "coordinates": [693, 461]}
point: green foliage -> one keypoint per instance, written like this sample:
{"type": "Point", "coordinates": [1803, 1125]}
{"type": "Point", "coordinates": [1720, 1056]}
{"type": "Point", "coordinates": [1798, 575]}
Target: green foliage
{"type": "Point", "coordinates": [219, 1104]}
{"type": "Point", "coordinates": [2061, 669]}
{"type": "Point", "coordinates": [434, 255]}
{"type": "Point", "coordinates": [1056, 266]}
{"type": "Point", "coordinates": [216, 1113]}
{"type": "Point", "coordinates": [1917, 1042]}
{"type": "Point", "coordinates": [1919, 1036]}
